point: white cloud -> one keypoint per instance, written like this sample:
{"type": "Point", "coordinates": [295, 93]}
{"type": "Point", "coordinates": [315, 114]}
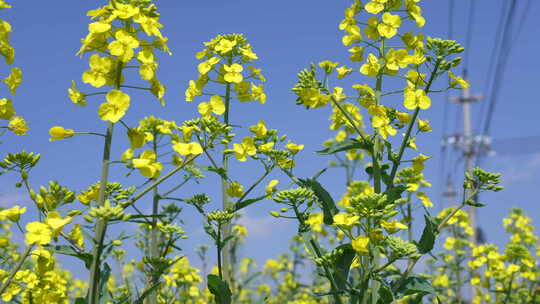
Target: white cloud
{"type": "Point", "coordinates": [519, 171]}
{"type": "Point", "coordinates": [265, 226]}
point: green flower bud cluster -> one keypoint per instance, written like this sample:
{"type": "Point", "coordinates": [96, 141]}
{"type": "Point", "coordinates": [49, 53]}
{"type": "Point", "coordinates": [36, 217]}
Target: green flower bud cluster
{"type": "Point", "coordinates": [447, 65]}
{"type": "Point", "coordinates": [116, 193]}
{"type": "Point", "coordinates": [53, 197]}
{"type": "Point", "coordinates": [307, 79]}
{"type": "Point", "coordinates": [278, 155]}
{"type": "Point", "coordinates": [330, 258]}
{"type": "Point", "coordinates": [220, 217]}
{"type": "Point", "coordinates": [171, 229]}
{"type": "Point", "coordinates": [408, 176]}
{"type": "Point", "coordinates": [516, 252]}
{"type": "Point", "coordinates": [400, 248]}
{"type": "Point", "coordinates": [198, 201]}
{"type": "Point", "coordinates": [483, 180]}
{"type": "Point", "coordinates": [118, 254]}
{"type": "Point", "coordinates": [297, 195]}
{"type": "Point", "coordinates": [375, 205]}
{"type": "Point", "coordinates": [443, 47]}
{"type": "Point", "coordinates": [196, 172]}
{"type": "Point", "coordinates": [108, 212]}
{"type": "Point", "coordinates": [22, 161]}
{"type": "Point", "coordinates": [240, 40]}
{"type": "Point", "coordinates": [214, 126]}
{"type": "Point", "coordinates": [157, 265]}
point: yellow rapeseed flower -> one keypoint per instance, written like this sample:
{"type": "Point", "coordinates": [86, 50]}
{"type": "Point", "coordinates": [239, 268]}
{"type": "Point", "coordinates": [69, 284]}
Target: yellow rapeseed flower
{"type": "Point", "coordinates": [361, 244]}
{"type": "Point", "coordinates": [371, 67]}
{"type": "Point", "coordinates": [418, 162]}
{"type": "Point", "coordinates": [76, 96]}
{"type": "Point", "coordinates": [215, 105]}
{"type": "Point", "coordinates": [123, 46]}
{"type": "Point", "coordinates": [416, 98]}
{"type": "Point", "coordinates": [242, 150]}
{"type": "Point", "coordinates": [259, 129]}
{"type": "Point", "coordinates": [116, 106]}
{"type": "Point", "coordinates": [271, 187]}
{"type": "Point", "coordinates": [18, 125]}
{"type": "Point", "coordinates": [375, 6]}
{"type": "Point", "coordinates": [235, 189]}
{"type": "Point", "coordinates": [425, 199]}
{"type": "Point", "coordinates": [147, 164]}
{"type": "Point", "coordinates": [101, 71]}
{"type": "Point", "coordinates": [393, 226]}
{"type": "Point", "coordinates": [345, 220]}
{"type": "Point", "coordinates": [294, 148]}
{"type": "Point", "coordinates": [13, 214]}
{"type": "Point", "coordinates": [6, 109]}
{"type": "Point", "coordinates": [14, 80]}
{"type": "Point", "coordinates": [184, 149]}
{"type": "Point", "coordinates": [233, 73]}
{"type": "Point", "coordinates": [389, 25]}
{"type": "Point", "coordinates": [59, 133]}
{"type": "Point", "coordinates": [38, 233]}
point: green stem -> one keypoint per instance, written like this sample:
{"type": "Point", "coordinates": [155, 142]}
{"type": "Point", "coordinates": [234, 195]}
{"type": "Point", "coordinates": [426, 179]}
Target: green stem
{"type": "Point", "coordinates": [508, 290]}
{"type": "Point", "coordinates": [333, 285]}
{"type": "Point", "coordinates": [218, 245]}
{"type": "Point", "coordinates": [226, 204]}
{"type": "Point", "coordinates": [135, 87]}
{"type": "Point", "coordinates": [397, 161]}
{"type": "Point", "coordinates": [17, 267]}
{"type": "Point", "coordinates": [101, 226]}
{"type": "Point", "coordinates": [410, 267]}
{"type": "Point", "coordinates": [375, 285]}
{"type": "Point", "coordinates": [154, 237]}
{"type": "Point", "coordinates": [159, 181]}
{"type": "Point", "coordinates": [349, 119]}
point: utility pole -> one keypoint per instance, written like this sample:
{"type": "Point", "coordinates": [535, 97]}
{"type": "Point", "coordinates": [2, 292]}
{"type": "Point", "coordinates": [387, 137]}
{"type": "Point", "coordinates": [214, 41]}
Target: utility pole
{"type": "Point", "coordinates": [468, 142]}
{"type": "Point", "coordinates": [468, 152]}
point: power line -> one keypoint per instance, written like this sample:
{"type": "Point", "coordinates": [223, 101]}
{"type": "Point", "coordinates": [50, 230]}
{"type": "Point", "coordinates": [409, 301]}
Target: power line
{"type": "Point", "coordinates": [443, 151]}
{"type": "Point", "coordinates": [501, 66]}
{"type": "Point", "coordinates": [468, 39]}
{"type": "Point", "coordinates": [492, 59]}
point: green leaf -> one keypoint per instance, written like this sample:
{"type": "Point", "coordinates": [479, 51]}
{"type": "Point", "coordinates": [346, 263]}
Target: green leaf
{"type": "Point", "coordinates": [395, 193]}
{"type": "Point", "coordinates": [328, 205]}
{"type": "Point", "coordinates": [244, 203]}
{"type": "Point", "coordinates": [416, 285]}
{"type": "Point", "coordinates": [219, 171]}
{"type": "Point", "coordinates": [219, 289]}
{"type": "Point", "coordinates": [69, 250]}
{"type": "Point", "coordinates": [343, 264]}
{"type": "Point", "coordinates": [80, 301]}
{"type": "Point", "coordinates": [474, 204]}
{"type": "Point", "coordinates": [146, 293]}
{"type": "Point", "coordinates": [346, 145]}
{"type": "Point", "coordinates": [386, 295]}
{"type": "Point", "coordinates": [104, 278]}
{"type": "Point", "coordinates": [427, 240]}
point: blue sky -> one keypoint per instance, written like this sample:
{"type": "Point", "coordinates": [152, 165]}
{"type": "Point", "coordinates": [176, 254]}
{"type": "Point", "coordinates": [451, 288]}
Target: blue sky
{"type": "Point", "coordinates": [287, 36]}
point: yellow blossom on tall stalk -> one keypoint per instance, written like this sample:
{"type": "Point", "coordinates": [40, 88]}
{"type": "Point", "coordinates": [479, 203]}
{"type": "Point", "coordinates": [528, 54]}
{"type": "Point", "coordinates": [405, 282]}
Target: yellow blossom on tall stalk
{"type": "Point", "coordinates": [215, 106]}
{"type": "Point", "coordinates": [418, 63]}
{"type": "Point", "coordinates": [244, 149]}
{"type": "Point", "coordinates": [147, 164]}
{"type": "Point", "coordinates": [192, 148]}
{"type": "Point", "coordinates": [116, 106]}
{"type": "Point", "coordinates": [59, 133]}
{"type": "Point", "coordinates": [16, 124]}
{"type": "Point", "coordinates": [13, 214]}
